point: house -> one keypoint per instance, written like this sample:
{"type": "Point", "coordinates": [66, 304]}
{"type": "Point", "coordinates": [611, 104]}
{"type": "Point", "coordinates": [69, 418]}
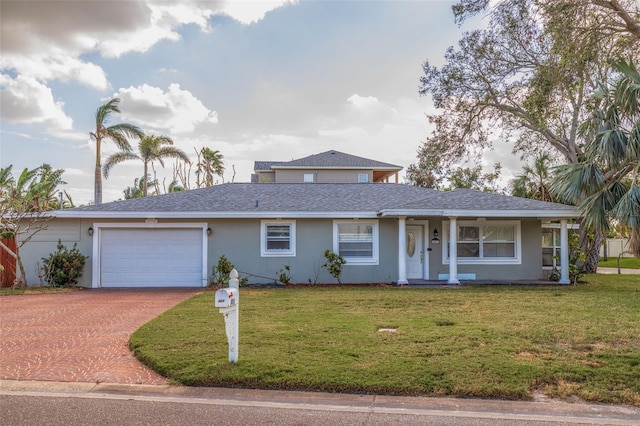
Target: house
{"type": "Point", "coordinates": [326, 167]}
{"type": "Point", "coordinates": [387, 232]}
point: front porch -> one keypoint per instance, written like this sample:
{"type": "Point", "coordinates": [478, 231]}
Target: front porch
{"type": "Point", "coordinates": [415, 283]}
{"type": "Point", "coordinates": [496, 243]}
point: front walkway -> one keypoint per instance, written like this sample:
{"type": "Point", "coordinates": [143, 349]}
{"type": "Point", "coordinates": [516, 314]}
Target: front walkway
{"type": "Point", "coordinates": [81, 336]}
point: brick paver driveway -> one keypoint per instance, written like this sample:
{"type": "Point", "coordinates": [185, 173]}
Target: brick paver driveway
{"type": "Point", "coordinates": [81, 336]}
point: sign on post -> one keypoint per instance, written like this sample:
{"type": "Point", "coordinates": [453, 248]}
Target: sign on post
{"type": "Point", "coordinates": [227, 300]}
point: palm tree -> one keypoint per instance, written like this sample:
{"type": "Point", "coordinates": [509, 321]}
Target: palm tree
{"type": "Point", "coordinates": [210, 163]}
{"type": "Point", "coordinates": [118, 133]}
{"type": "Point", "coordinates": [606, 184]}
{"type": "Point", "coordinates": [135, 191]}
{"type": "Point", "coordinates": [534, 181]}
{"type": "Point", "coordinates": [151, 148]}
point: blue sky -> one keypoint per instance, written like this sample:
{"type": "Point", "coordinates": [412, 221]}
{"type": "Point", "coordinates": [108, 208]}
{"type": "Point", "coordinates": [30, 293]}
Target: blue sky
{"type": "Point", "coordinates": [268, 80]}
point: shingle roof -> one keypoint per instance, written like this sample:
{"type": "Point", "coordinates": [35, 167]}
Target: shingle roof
{"type": "Point", "coordinates": [468, 199]}
{"type": "Point", "coordinates": [328, 159]}
{"type": "Point", "coordinates": [265, 166]}
{"type": "Point", "coordinates": [246, 199]}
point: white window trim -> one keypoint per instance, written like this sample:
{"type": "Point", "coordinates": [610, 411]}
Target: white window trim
{"type": "Point", "coordinates": [277, 253]}
{"type": "Point", "coordinates": [366, 178]}
{"type": "Point", "coordinates": [374, 259]}
{"type": "Point", "coordinates": [517, 260]}
{"type": "Point", "coordinates": [308, 178]}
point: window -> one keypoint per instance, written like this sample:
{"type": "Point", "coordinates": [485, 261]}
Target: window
{"type": "Point", "coordinates": [278, 238]}
{"type": "Point", "coordinates": [550, 247]}
{"type": "Point", "coordinates": [363, 178]}
{"type": "Point", "coordinates": [485, 242]}
{"type": "Point", "coordinates": [308, 178]}
{"type": "Point", "coordinates": [551, 243]}
{"type": "Point", "coordinates": [356, 241]}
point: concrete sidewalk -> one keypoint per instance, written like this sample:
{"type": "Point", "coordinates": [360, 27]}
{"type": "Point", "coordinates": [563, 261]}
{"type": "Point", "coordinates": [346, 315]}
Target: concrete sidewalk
{"type": "Point", "coordinates": [543, 410]}
{"type": "Point", "coordinates": [623, 271]}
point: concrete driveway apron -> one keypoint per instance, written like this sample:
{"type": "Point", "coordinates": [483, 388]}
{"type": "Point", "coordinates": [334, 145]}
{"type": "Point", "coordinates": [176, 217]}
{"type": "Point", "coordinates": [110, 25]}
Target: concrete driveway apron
{"type": "Point", "coordinates": [80, 336]}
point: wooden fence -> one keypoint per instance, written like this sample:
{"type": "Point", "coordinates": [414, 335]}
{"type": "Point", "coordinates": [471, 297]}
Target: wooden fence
{"type": "Point", "coordinates": [8, 262]}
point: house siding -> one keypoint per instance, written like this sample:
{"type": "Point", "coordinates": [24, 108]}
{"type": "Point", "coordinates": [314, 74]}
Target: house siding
{"type": "Point", "coordinates": [313, 237]}
{"type": "Point", "coordinates": [45, 242]}
{"type": "Point", "coordinates": [239, 241]}
{"type": "Point", "coordinates": [321, 175]}
{"type": "Point", "coordinates": [531, 259]}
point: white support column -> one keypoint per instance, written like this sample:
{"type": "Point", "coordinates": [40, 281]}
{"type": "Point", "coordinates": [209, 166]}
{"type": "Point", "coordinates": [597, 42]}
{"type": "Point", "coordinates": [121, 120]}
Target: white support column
{"type": "Point", "coordinates": [453, 251]}
{"type": "Point", "coordinates": [564, 253]}
{"type": "Point", "coordinates": [402, 250]}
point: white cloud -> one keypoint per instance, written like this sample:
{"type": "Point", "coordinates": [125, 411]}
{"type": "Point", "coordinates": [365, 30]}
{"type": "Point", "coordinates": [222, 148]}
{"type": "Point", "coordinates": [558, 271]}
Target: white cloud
{"type": "Point", "coordinates": [248, 11]}
{"type": "Point", "coordinates": [363, 101]}
{"type": "Point", "coordinates": [56, 66]}
{"type": "Point", "coordinates": [26, 100]}
{"type": "Point", "coordinates": [173, 111]}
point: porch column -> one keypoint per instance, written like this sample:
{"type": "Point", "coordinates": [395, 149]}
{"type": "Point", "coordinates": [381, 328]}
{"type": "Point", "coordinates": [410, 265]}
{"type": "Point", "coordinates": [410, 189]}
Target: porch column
{"type": "Point", "coordinates": [564, 253]}
{"type": "Point", "coordinates": [453, 251]}
{"type": "Point", "coordinates": [402, 250]}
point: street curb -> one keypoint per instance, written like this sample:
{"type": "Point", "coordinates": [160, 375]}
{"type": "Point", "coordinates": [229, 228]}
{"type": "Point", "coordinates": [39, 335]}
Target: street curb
{"type": "Point", "coordinates": [558, 410]}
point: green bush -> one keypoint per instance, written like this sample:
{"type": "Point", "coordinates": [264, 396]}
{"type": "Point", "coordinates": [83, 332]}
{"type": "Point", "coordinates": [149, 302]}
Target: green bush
{"type": "Point", "coordinates": [284, 274]}
{"type": "Point", "coordinates": [334, 264]}
{"type": "Point", "coordinates": [222, 271]}
{"type": "Point", "coordinates": [63, 267]}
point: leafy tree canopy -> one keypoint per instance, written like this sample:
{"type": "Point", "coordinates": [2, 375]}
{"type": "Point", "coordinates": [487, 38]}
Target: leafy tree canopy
{"type": "Point", "coordinates": [524, 78]}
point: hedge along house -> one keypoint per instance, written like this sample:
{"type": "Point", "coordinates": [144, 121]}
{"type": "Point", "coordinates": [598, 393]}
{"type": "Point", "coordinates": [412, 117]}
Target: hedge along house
{"type": "Point", "coordinates": [387, 232]}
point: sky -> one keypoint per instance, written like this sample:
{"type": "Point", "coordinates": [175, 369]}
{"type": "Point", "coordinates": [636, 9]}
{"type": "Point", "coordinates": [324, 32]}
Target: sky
{"type": "Point", "coordinates": [255, 80]}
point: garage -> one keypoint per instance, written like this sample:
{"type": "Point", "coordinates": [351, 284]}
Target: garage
{"type": "Point", "coordinates": [151, 257]}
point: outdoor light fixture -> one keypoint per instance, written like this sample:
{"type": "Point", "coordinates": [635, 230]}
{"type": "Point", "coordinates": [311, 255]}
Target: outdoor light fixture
{"type": "Point", "coordinates": [209, 232]}
{"type": "Point", "coordinates": [435, 239]}
{"type": "Point", "coordinates": [90, 231]}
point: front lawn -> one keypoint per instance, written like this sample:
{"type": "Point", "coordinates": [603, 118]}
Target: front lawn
{"type": "Point", "coordinates": [490, 342]}
{"type": "Point", "coordinates": [625, 262]}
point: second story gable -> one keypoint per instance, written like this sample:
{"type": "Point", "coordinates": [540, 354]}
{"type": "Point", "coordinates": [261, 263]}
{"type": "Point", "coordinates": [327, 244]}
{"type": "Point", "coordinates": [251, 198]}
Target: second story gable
{"type": "Point", "coordinates": [326, 167]}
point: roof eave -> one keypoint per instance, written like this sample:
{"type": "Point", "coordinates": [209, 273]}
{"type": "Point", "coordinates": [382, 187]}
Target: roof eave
{"type": "Point", "coordinates": [555, 214]}
{"type": "Point", "coordinates": [216, 215]}
{"type": "Point", "coordinates": [394, 168]}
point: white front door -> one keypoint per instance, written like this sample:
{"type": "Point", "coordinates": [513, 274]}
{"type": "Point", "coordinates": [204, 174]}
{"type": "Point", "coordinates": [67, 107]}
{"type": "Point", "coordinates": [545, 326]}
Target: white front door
{"type": "Point", "coordinates": [415, 252]}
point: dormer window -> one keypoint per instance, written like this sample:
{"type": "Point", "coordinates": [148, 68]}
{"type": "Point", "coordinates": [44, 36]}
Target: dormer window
{"type": "Point", "coordinates": [308, 178]}
{"type": "Point", "coordinates": [363, 178]}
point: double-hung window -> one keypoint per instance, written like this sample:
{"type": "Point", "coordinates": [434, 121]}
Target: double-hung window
{"type": "Point", "coordinates": [485, 242]}
{"type": "Point", "coordinates": [278, 238]}
{"type": "Point", "coordinates": [356, 241]}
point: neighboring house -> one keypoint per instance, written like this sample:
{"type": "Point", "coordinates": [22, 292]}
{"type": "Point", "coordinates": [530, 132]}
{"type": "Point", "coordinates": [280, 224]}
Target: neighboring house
{"type": "Point", "coordinates": [390, 233]}
{"type": "Point", "coordinates": [327, 167]}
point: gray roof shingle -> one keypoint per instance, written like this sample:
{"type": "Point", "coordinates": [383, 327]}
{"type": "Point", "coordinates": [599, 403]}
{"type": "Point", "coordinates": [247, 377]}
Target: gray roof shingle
{"type": "Point", "coordinates": [295, 198]}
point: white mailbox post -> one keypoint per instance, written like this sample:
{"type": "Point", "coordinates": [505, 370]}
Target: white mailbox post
{"type": "Point", "coordinates": [228, 299]}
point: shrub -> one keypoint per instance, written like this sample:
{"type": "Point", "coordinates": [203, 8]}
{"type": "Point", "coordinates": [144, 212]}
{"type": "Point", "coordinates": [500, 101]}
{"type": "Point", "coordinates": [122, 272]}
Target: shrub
{"type": "Point", "coordinates": [334, 264]}
{"type": "Point", "coordinates": [222, 271]}
{"type": "Point", "coordinates": [284, 274]}
{"type": "Point", "coordinates": [63, 267]}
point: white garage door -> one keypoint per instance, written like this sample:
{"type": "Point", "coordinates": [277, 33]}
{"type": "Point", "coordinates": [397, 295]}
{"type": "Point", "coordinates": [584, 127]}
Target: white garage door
{"type": "Point", "coordinates": [157, 257]}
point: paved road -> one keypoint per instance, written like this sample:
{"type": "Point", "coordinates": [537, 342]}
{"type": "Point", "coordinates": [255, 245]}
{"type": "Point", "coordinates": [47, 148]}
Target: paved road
{"type": "Point", "coordinates": [53, 403]}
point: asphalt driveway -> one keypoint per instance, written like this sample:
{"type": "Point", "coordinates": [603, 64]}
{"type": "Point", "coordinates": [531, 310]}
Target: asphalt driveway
{"type": "Point", "coordinates": [80, 336]}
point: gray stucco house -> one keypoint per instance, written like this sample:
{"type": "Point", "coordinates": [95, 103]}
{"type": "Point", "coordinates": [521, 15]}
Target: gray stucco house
{"type": "Point", "coordinates": [387, 232]}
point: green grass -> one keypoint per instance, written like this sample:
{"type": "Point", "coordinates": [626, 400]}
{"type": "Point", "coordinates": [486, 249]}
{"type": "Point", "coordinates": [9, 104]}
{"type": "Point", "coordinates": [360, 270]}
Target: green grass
{"type": "Point", "coordinates": [490, 342]}
{"type": "Point", "coordinates": [625, 262]}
